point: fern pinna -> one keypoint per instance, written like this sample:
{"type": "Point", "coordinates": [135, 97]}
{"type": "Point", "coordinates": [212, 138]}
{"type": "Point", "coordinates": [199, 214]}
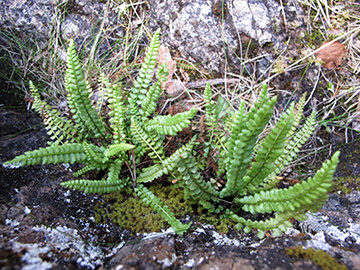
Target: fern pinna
{"type": "Point", "coordinates": [112, 142]}
{"type": "Point", "coordinates": [251, 166]}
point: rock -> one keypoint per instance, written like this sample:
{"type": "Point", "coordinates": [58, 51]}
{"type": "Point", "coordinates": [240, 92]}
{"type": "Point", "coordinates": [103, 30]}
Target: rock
{"type": "Point", "coordinates": [41, 21]}
{"type": "Point", "coordinates": [193, 28]}
{"type": "Point", "coordinates": [196, 29]}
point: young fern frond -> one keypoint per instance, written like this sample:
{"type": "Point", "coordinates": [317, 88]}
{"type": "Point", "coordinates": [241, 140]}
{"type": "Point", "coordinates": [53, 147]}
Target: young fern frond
{"type": "Point", "coordinates": [148, 104]}
{"type": "Point", "coordinates": [143, 80]}
{"type": "Point", "coordinates": [279, 223]}
{"type": "Point", "coordinates": [299, 115]}
{"type": "Point", "coordinates": [244, 143]}
{"type": "Point", "coordinates": [85, 170]}
{"type": "Point", "coordinates": [236, 128]}
{"type": "Point", "coordinates": [95, 154]}
{"type": "Point", "coordinates": [291, 149]}
{"type": "Point", "coordinates": [112, 184]}
{"type": "Point", "coordinates": [168, 124]}
{"type": "Point", "coordinates": [102, 94]}
{"type": "Point", "coordinates": [116, 149]}
{"type": "Point", "coordinates": [150, 199]}
{"type": "Point", "coordinates": [210, 108]}
{"type": "Point", "coordinates": [78, 97]}
{"type": "Point", "coordinates": [117, 115]}
{"type": "Point", "coordinates": [271, 148]}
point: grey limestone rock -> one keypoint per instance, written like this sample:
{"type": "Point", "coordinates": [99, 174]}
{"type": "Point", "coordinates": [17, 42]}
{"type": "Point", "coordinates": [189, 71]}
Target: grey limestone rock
{"type": "Point", "coordinates": [208, 34]}
{"type": "Point", "coordinates": [43, 20]}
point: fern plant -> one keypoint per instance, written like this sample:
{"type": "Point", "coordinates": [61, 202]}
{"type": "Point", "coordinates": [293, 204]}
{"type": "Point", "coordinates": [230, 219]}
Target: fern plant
{"type": "Point", "coordinates": [250, 166]}
{"type": "Point", "coordinates": [113, 141]}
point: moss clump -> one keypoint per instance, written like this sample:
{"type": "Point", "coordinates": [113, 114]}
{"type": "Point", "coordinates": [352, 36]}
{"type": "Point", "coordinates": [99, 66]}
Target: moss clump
{"type": "Point", "coordinates": [132, 214]}
{"type": "Point", "coordinates": [321, 258]}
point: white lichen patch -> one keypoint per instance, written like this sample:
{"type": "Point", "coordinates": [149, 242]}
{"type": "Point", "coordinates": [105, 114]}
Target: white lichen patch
{"type": "Point", "coordinates": [167, 262]}
{"type": "Point", "coordinates": [66, 239]}
{"type": "Point", "coordinates": [32, 257]}
{"type": "Point", "coordinates": [318, 227]}
{"type": "Point", "coordinates": [12, 223]}
{"type": "Point", "coordinates": [27, 210]}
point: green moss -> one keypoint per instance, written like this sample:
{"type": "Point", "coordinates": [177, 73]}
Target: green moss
{"type": "Point", "coordinates": [345, 185]}
{"type": "Point", "coordinates": [131, 213]}
{"type": "Point", "coordinates": [319, 257]}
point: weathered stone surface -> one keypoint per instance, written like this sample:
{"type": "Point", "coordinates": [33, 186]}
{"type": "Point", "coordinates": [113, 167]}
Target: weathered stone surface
{"type": "Point", "coordinates": [41, 21]}
{"type": "Point", "coordinates": [199, 32]}
{"type": "Point", "coordinates": [193, 28]}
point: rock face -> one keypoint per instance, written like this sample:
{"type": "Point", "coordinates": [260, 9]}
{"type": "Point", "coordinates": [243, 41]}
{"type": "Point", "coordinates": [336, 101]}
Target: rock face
{"type": "Point", "coordinates": [44, 20]}
{"type": "Point", "coordinates": [205, 31]}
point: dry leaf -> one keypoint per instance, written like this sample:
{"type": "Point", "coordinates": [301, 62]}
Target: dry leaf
{"type": "Point", "coordinates": [164, 56]}
{"type": "Point", "coordinates": [331, 55]}
{"type": "Point", "coordinates": [174, 87]}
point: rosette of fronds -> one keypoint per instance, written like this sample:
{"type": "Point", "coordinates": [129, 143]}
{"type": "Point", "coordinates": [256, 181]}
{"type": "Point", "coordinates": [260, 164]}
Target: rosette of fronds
{"type": "Point", "coordinates": [112, 137]}
{"type": "Point", "coordinates": [251, 166]}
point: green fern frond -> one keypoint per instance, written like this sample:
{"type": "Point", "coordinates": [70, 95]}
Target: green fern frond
{"type": "Point", "coordinates": [94, 186]}
{"type": "Point", "coordinates": [194, 185]}
{"type": "Point", "coordinates": [167, 166]}
{"type": "Point", "coordinates": [168, 124]}
{"type": "Point", "coordinates": [143, 80]}
{"type": "Point", "coordinates": [66, 153]}
{"type": "Point", "coordinates": [210, 107]}
{"type": "Point", "coordinates": [112, 183]}
{"type": "Point", "coordinates": [244, 143]}
{"type": "Point", "coordinates": [102, 93]}
{"type": "Point", "coordinates": [78, 97]}
{"type": "Point", "coordinates": [152, 143]}
{"type": "Point", "coordinates": [59, 129]}
{"type": "Point", "coordinates": [292, 148]}
{"type": "Point", "coordinates": [299, 196]}
{"type": "Point", "coordinates": [150, 199]}
{"type": "Point", "coordinates": [271, 148]}
{"type": "Point", "coordinates": [236, 128]}
{"type": "Point", "coordinates": [185, 65]}
{"type": "Point", "coordinates": [85, 170]}
{"type": "Point", "coordinates": [298, 116]}
{"type": "Point", "coordinates": [115, 149]}
{"type": "Point", "coordinates": [117, 115]}
{"type": "Point", "coordinates": [148, 104]}
{"type": "Point", "coordinates": [279, 223]}
{"type": "Point", "coordinates": [95, 154]}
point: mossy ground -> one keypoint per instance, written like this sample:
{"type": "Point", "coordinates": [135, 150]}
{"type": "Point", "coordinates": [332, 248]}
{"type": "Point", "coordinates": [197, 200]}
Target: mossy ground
{"type": "Point", "coordinates": [320, 257]}
{"type": "Point", "coordinates": [130, 212]}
